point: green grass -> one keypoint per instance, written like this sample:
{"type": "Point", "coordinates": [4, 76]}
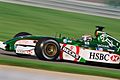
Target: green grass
{"type": "Point", "coordinates": [59, 67]}
{"type": "Point", "coordinates": [40, 21]}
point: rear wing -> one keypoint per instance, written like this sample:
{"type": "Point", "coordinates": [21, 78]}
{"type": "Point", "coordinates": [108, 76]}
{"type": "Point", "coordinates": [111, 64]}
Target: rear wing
{"type": "Point", "coordinates": [98, 28]}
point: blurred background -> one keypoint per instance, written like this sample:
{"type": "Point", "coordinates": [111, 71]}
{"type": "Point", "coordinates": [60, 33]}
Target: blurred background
{"type": "Point", "coordinates": [113, 3]}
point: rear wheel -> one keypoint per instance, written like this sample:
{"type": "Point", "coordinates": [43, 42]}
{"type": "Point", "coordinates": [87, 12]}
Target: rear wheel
{"type": "Point", "coordinates": [47, 49]}
{"type": "Point", "coordinates": [22, 34]}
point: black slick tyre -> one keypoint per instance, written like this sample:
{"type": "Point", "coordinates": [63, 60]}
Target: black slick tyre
{"type": "Point", "coordinates": [22, 34]}
{"type": "Point", "coordinates": [47, 49]}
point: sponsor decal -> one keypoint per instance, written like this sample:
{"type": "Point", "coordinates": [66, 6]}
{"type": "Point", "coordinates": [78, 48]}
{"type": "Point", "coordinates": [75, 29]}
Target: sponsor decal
{"type": "Point", "coordinates": [118, 49]}
{"type": "Point", "coordinates": [26, 42]}
{"type": "Point", "coordinates": [67, 41]}
{"type": "Point", "coordinates": [61, 53]}
{"type": "Point", "coordinates": [25, 51]}
{"type": "Point", "coordinates": [115, 58]}
{"type": "Point", "coordinates": [71, 48]}
{"type": "Point", "coordinates": [29, 51]}
{"type": "Point", "coordinates": [99, 56]}
{"type": "Point", "coordinates": [103, 37]}
{"type": "Point", "coordinates": [77, 52]}
{"type": "Point", "coordinates": [106, 38]}
{"type": "Point", "coordinates": [101, 45]}
{"type": "Point", "coordinates": [71, 53]}
{"type": "Point", "coordinates": [100, 49]}
{"type": "Point", "coordinates": [23, 42]}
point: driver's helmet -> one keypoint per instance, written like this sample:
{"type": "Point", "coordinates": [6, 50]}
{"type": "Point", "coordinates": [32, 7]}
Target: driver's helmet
{"type": "Point", "coordinates": [86, 37]}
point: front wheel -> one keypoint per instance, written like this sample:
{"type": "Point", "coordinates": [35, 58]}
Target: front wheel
{"type": "Point", "coordinates": [47, 49]}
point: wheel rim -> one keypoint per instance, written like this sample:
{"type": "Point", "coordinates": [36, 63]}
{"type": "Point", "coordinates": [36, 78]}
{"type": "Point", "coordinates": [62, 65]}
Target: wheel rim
{"type": "Point", "coordinates": [50, 49]}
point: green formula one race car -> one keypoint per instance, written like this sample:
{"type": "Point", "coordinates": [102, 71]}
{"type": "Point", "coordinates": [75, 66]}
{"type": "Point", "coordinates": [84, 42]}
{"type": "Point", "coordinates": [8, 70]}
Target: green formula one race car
{"type": "Point", "coordinates": [103, 48]}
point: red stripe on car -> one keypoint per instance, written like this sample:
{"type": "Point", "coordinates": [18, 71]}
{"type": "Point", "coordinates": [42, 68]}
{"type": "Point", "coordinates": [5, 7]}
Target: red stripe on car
{"type": "Point", "coordinates": [77, 52]}
{"type": "Point", "coordinates": [61, 53]}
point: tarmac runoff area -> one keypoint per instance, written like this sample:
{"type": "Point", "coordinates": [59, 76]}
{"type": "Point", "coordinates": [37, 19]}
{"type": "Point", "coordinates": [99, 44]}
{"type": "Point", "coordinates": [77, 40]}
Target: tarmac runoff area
{"type": "Point", "coordinates": [20, 73]}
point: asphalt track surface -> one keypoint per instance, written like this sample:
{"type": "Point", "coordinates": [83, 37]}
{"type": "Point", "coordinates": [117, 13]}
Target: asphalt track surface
{"type": "Point", "coordinates": [7, 54]}
{"type": "Point", "coordinates": [72, 6]}
{"type": "Point", "coordinates": [19, 73]}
